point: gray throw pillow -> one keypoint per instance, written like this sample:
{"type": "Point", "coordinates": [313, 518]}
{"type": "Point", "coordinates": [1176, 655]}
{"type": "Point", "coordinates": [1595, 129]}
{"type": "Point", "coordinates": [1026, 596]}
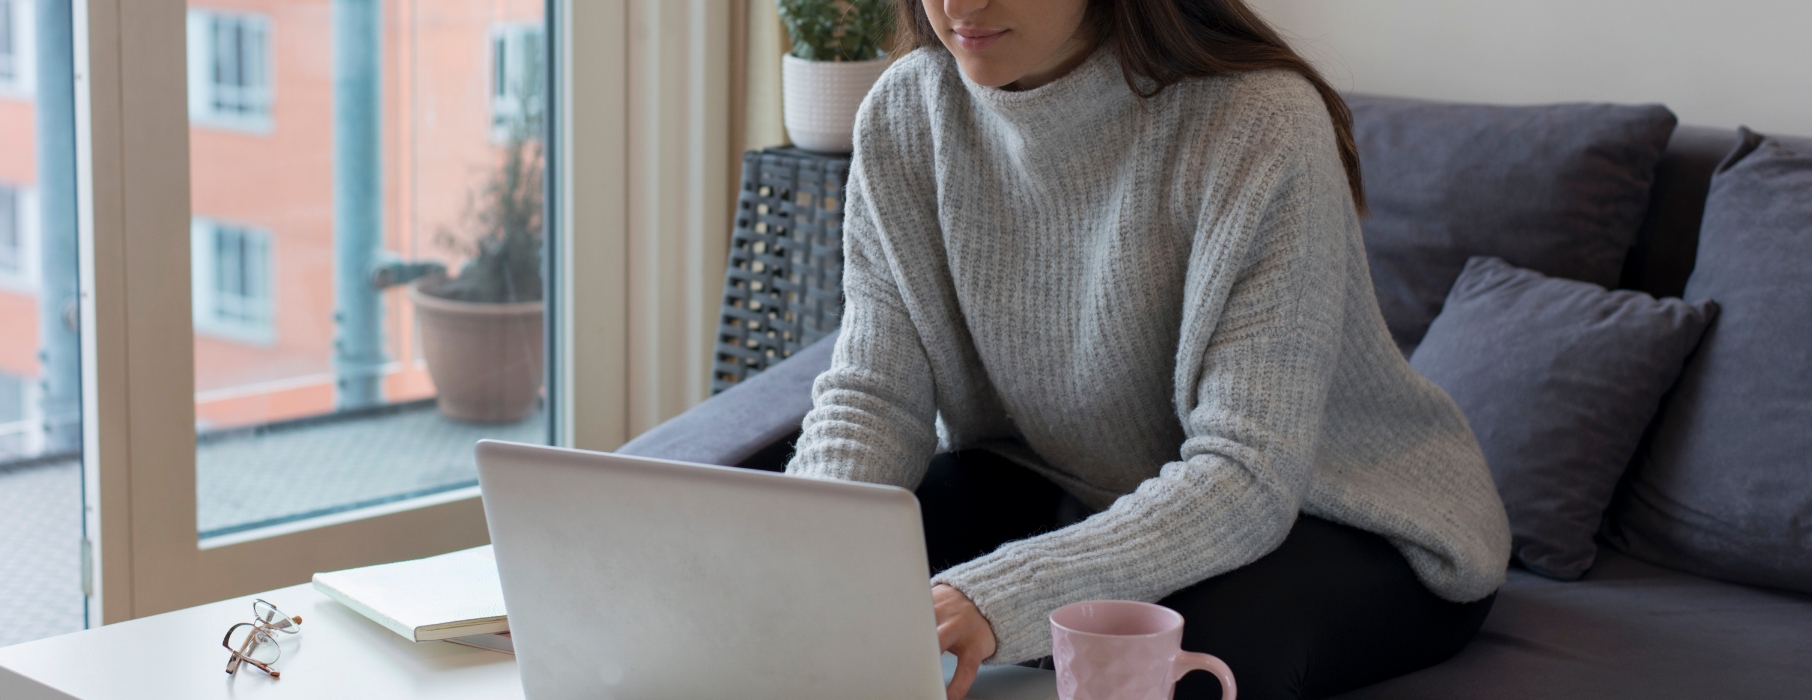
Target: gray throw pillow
{"type": "Point", "coordinates": [1558, 379]}
{"type": "Point", "coordinates": [1725, 489]}
{"type": "Point", "coordinates": [1559, 189]}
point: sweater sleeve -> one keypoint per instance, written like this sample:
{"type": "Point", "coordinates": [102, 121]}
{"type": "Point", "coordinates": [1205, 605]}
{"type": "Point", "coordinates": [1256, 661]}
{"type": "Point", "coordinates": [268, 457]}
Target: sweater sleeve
{"type": "Point", "coordinates": [1254, 369]}
{"type": "Point", "coordinates": [874, 411]}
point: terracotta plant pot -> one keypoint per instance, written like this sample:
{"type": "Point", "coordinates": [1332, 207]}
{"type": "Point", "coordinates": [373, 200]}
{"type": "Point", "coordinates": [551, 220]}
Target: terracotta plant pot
{"type": "Point", "coordinates": [486, 359]}
{"type": "Point", "coordinates": [821, 97]}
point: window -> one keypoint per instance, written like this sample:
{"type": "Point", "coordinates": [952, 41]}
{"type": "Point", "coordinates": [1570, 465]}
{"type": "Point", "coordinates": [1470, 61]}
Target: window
{"type": "Point", "coordinates": [300, 369]}
{"type": "Point", "coordinates": [435, 109]}
{"type": "Point", "coordinates": [516, 77]}
{"type": "Point", "coordinates": [8, 53]}
{"type": "Point", "coordinates": [232, 273]}
{"type": "Point", "coordinates": [16, 47]}
{"type": "Point", "coordinates": [18, 239]}
{"type": "Point", "coordinates": [21, 427]}
{"type": "Point", "coordinates": [229, 70]}
{"type": "Point", "coordinates": [12, 238]}
{"type": "Point", "coordinates": [14, 428]}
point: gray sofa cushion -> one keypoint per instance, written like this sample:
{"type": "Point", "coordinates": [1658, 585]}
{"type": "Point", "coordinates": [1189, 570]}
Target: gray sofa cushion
{"type": "Point", "coordinates": [1558, 379]}
{"type": "Point", "coordinates": [1559, 189]}
{"type": "Point", "coordinates": [1726, 488]}
{"type": "Point", "coordinates": [1627, 630]}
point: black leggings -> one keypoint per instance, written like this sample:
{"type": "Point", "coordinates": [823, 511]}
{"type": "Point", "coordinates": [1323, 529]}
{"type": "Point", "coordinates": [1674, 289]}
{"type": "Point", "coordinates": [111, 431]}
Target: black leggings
{"type": "Point", "coordinates": [1331, 609]}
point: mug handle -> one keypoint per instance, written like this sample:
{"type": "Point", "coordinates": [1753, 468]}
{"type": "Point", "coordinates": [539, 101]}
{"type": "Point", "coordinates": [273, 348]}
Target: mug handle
{"type": "Point", "coordinates": [1187, 661]}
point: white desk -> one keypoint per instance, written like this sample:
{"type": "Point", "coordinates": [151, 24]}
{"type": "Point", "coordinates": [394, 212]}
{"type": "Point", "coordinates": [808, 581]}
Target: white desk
{"type": "Point", "coordinates": [339, 654]}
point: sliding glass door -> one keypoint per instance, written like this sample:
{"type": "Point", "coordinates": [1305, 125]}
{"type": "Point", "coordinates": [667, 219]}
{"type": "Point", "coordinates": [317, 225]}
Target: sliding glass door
{"type": "Point", "coordinates": [348, 198]}
{"type": "Point", "coordinates": [42, 543]}
{"type": "Point", "coordinates": [326, 245]}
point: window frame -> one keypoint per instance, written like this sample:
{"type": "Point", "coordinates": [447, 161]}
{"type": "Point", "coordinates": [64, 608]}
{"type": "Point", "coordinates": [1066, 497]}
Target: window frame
{"type": "Point", "coordinates": [632, 306]}
{"type": "Point", "coordinates": [201, 51]}
{"type": "Point", "coordinates": [139, 406]}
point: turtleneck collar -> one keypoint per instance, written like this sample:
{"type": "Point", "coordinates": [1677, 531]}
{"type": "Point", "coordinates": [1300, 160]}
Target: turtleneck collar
{"type": "Point", "coordinates": [1088, 98]}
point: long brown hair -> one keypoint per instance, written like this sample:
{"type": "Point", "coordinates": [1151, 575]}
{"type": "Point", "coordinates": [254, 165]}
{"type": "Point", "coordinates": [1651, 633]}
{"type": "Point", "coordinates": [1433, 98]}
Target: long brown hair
{"type": "Point", "coordinates": [1161, 42]}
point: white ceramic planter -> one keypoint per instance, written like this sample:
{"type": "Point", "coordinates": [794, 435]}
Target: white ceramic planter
{"type": "Point", "coordinates": [821, 98]}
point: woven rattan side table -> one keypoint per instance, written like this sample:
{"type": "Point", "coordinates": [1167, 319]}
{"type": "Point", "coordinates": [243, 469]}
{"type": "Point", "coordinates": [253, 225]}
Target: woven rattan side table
{"type": "Point", "coordinates": [783, 288]}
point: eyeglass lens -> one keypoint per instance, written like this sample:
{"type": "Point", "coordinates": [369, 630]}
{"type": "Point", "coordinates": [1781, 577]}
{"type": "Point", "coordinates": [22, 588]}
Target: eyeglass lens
{"type": "Point", "coordinates": [273, 618]}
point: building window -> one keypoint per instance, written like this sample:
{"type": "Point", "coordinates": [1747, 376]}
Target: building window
{"type": "Point", "coordinates": [516, 78]}
{"type": "Point", "coordinates": [12, 398]}
{"type": "Point", "coordinates": [9, 52]}
{"type": "Point", "coordinates": [12, 235]}
{"type": "Point", "coordinates": [16, 49]}
{"type": "Point", "coordinates": [229, 69]}
{"type": "Point", "coordinates": [18, 239]}
{"type": "Point", "coordinates": [16, 427]}
{"type": "Point", "coordinates": [233, 282]}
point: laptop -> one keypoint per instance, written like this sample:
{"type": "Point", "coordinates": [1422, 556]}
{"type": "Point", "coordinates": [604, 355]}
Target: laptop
{"type": "Point", "coordinates": [627, 577]}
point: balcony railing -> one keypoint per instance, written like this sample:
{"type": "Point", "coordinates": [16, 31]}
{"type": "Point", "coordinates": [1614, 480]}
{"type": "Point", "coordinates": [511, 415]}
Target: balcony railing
{"type": "Point", "coordinates": [17, 441]}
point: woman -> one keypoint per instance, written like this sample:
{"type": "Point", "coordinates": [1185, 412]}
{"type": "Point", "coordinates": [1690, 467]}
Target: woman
{"type": "Point", "coordinates": [1102, 257]}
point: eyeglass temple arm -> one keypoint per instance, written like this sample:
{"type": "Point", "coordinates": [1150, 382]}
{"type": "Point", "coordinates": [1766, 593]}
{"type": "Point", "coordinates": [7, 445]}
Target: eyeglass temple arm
{"type": "Point", "coordinates": [239, 654]}
{"type": "Point", "coordinates": [238, 657]}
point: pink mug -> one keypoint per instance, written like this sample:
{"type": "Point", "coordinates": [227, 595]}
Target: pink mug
{"type": "Point", "coordinates": [1123, 650]}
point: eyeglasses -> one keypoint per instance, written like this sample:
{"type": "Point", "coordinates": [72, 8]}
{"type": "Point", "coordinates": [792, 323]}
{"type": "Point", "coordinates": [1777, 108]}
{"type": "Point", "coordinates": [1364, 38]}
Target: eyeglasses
{"type": "Point", "coordinates": [254, 642]}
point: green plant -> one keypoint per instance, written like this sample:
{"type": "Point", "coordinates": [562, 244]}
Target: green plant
{"type": "Point", "coordinates": [506, 212]}
{"type": "Point", "coordinates": [838, 30]}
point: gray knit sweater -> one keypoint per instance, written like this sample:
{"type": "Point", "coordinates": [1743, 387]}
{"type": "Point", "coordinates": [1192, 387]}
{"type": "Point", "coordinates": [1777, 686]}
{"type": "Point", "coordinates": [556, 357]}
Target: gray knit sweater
{"type": "Point", "coordinates": [1161, 305]}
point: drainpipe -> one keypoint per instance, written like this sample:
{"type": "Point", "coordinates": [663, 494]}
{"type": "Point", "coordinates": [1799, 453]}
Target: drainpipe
{"type": "Point", "coordinates": [357, 203]}
{"type": "Point", "coordinates": [60, 347]}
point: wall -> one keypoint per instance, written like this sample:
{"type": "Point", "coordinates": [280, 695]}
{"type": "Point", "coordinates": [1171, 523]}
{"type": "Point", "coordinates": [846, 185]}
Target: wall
{"type": "Point", "coordinates": [767, 41]}
{"type": "Point", "coordinates": [19, 168]}
{"type": "Point", "coordinates": [1719, 63]}
{"type": "Point", "coordinates": [677, 201]}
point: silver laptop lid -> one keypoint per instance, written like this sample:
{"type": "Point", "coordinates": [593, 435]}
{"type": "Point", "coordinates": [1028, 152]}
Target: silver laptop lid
{"type": "Point", "coordinates": [628, 577]}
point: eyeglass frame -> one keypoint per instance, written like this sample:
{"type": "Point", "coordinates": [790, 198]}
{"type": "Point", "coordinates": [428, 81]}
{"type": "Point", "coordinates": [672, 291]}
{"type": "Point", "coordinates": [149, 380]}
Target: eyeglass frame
{"type": "Point", "coordinates": [262, 626]}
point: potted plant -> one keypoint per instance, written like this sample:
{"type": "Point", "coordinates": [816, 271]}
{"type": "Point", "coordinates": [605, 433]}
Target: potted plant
{"type": "Point", "coordinates": [482, 330]}
{"type": "Point", "coordinates": [839, 50]}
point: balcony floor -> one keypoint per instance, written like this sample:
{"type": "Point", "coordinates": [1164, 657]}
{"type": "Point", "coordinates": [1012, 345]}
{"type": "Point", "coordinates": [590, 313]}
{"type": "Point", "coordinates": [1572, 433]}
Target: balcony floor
{"type": "Point", "coordinates": [40, 551]}
{"type": "Point", "coordinates": [245, 479]}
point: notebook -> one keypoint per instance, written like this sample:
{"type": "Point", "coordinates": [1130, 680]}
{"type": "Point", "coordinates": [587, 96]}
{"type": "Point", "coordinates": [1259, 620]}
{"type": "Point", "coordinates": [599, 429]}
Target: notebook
{"type": "Point", "coordinates": [495, 642]}
{"type": "Point", "coordinates": [451, 595]}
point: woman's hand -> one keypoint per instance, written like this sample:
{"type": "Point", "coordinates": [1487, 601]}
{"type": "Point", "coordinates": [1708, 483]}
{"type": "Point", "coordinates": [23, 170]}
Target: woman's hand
{"type": "Point", "coordinates": [961, 630]}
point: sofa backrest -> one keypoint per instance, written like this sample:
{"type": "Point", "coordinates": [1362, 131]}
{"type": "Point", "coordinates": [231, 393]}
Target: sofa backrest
{"type": "Point", "coordinates": [1668, 241]}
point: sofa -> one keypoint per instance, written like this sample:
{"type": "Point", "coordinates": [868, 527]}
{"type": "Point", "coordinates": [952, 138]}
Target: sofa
{"type": "Point", "coordinates": [1627, 628]}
